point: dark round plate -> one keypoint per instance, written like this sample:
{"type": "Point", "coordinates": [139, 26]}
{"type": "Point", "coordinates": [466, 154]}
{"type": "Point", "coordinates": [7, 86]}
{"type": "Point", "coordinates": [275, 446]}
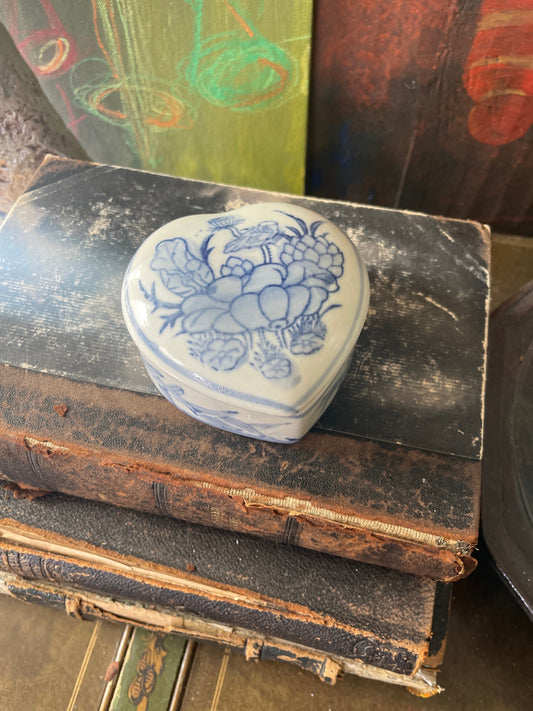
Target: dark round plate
{"type": "Point", "coordinates": [507, 490]}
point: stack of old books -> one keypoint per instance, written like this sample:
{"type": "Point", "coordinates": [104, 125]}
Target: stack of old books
{"type": "Point", "coordinates": [335, 553]}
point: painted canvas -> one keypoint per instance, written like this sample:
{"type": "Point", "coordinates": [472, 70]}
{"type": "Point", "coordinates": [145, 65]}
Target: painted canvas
{"type": "Point", "coordinates": [425, 105]}
{"type": "Point", "coordinates": [209, 89]}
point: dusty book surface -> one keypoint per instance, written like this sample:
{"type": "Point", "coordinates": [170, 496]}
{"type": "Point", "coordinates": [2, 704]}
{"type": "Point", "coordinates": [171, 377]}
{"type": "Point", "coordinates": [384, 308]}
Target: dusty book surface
{"type": "Point", "coordinates": [391, 473]}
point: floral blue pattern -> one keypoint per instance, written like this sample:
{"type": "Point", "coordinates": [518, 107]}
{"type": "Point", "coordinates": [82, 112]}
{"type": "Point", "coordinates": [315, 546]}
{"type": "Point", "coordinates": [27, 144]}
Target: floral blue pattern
{"type": "Point", "coordinates": [231, 420]}
{"type": "Point", "coordinates": [256, 294]}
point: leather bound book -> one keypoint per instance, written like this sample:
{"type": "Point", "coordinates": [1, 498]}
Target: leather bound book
{"type": "Point", "coordinates": [97, 560]}
{"type": "Point", "coordinates": [390, 475]}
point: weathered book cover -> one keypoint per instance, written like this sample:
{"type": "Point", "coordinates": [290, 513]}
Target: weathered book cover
{"type": "Point", "coordinates": [391, 473]}
{"type": "Point", "coordinates": [121, 564]}
{"type": "Point", "coordinates": [151, 621]}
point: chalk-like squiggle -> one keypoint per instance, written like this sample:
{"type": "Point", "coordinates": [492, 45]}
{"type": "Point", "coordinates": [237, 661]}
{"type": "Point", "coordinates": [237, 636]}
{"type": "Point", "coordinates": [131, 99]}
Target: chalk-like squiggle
{"type": "Point", "coordinates": [239, 69]}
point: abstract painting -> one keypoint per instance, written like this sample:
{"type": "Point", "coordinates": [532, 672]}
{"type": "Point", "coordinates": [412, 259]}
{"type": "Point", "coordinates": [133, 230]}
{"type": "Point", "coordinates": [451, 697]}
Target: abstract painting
{"type": "Point", "coordinates": [498, 73]}
{"type": "Point", "coordinates": [425, 105]}
{"type": "Point", "coordinates": [209, 89]}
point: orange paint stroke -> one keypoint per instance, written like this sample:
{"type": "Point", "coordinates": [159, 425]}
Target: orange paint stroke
{"type": "Point", "coordinates": [115, 35]}
{"type": "Point", "coordinates": [99, 40]}
{"type": "Point", "coordinates": [498, 73]}
{"type": "Point", "coordinates": [112, 113]}
{"type": "Point", "coordinates": [175, 109]}
{"type": "Point", "coordinates": [130, 97]}
{"type": "Point", "coordinates": [240, 19]}
{"type": "Point", "coordinates": [169, 116]}
{"type": "Point", "coordinates": [121, 76]}
{"type": "Point", "coordinates": [501, 119]}
{"type": "Point", "coordinates": [73, 125]}
{"type": "Point", "coordinates": [62, 46]}
{"type": "Point", "coordinates": [278, 89]}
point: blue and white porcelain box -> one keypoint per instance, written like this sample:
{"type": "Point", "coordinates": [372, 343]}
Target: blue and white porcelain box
{"type": "Point", "coordinates": [247, 320]}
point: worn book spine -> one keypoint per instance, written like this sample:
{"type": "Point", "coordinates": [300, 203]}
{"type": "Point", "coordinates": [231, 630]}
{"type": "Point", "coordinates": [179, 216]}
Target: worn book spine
{"type": "Point", "coordinates": [86, 605]}
{"type": "Point", "coordinates": [354, 610]}
{"type": "Point", "coordinates": [179, 595]}
{"type": "Point", "coordinates": [88, 441]}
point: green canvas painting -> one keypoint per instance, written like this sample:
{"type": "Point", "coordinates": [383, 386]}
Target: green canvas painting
{"type": "Point", "coordinates": [208, 89]}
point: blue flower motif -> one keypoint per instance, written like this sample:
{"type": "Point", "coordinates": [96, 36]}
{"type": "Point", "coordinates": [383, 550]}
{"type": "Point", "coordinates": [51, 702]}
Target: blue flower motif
{"type": "Point", "coordinates": [315, 259]}
{"type": "Point", "coordinates": [306, 343]}
{"type": "Point", "coordinates": [180, 271]}
{"type": "Point", "coordinates": [223, 355]}
{"type": "Point", "coordinates": [232, 306]}
{"type": "Point", "coordinates": [275, 307]}
{"type": "Point", "coordinates": [276, 368]}
{"type": "Point", "coordinates": [261, 299]}
{"type": "Point", "coordinates": [270, 359]}
{"type": "Point", "coordinates": [235, 266]}
{"type": "Point", "coordinates": [307, 336]}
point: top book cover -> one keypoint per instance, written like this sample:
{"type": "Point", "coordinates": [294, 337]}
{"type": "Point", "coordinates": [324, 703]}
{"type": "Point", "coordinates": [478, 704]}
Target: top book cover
{"type": "Point", "coordinates": [391, 472]}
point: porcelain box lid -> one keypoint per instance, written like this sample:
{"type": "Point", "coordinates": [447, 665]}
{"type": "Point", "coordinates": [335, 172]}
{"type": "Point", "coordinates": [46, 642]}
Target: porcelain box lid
{"type": "Point", "coordinates": [260, 306]}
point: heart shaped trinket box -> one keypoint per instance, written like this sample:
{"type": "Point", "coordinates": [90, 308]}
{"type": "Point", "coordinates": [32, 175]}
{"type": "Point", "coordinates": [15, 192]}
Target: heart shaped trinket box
{"type": "Point", "coordinates": [246, 320]}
